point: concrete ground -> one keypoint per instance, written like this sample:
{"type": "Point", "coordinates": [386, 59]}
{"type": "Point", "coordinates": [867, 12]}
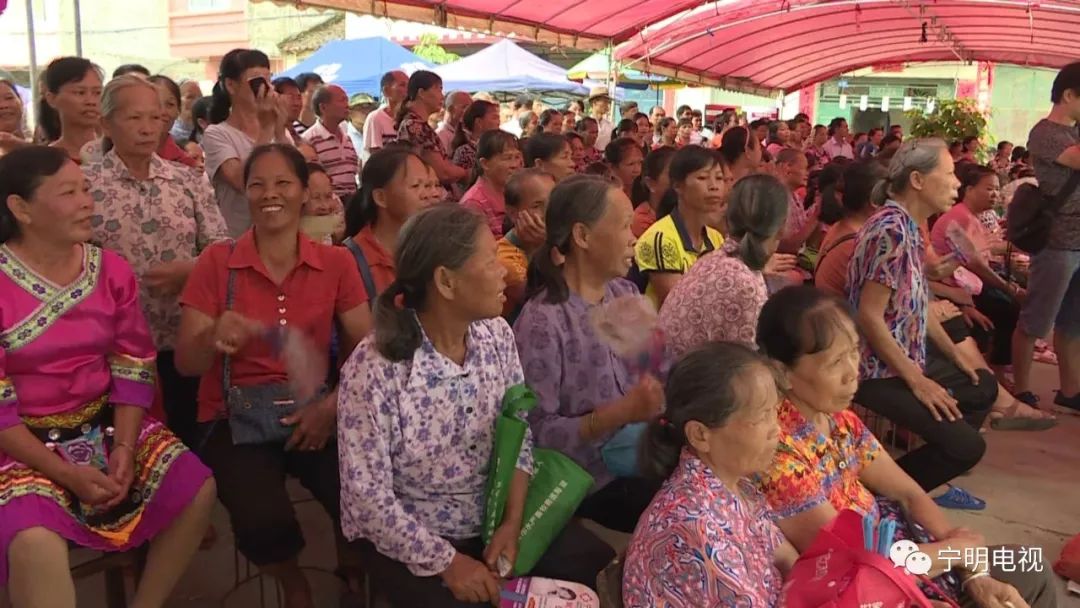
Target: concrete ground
{"type": "Point", "coordinates": [1031, 482]}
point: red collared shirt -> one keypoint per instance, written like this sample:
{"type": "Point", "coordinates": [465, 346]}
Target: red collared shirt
{"type": "Point", "coordinates": [379, 260]}
{"type": "Point", "coordinates": [324, 283]}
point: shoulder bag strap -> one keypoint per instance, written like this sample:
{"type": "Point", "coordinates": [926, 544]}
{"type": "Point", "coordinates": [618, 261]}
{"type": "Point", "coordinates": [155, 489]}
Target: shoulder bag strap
{"type": "Point", "coordinates": [839, 241]}
{"type": "Point", "coordinates": [365, 270]}
{"type": "Point", "coordinates": [230, 294]}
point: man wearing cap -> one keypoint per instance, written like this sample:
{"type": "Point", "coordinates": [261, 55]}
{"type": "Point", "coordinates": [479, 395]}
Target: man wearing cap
{"type": "Point", "coordinates": [332, 145]}
{"type": "Point", "coordinates": [379, 128]}
{"type": "Point", "coordinates": [360, 105]}
{"type": "Point", "coordinates": [455, 105]}
{"type": "Point", "coordinates": [599, 107]}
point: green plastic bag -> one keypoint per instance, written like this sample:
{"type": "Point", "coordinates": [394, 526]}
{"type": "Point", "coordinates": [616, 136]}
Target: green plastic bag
{"type": "Point", "coordinates": [557, 487]}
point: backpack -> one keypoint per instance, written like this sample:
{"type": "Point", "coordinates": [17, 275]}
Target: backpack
{"type": "Point", "coordinates": [1031, 213]}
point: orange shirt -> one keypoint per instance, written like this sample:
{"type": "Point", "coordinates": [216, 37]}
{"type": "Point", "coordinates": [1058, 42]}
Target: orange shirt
{"type": "Point", "coordinates": [644, 216]}
{"type": "Point", "coordinates": [378, 258]}
{"type": "Point", "coordinates": [832, 263]}
{"type": "Point", "coordinates": [324, 283]}
{"type": "Point", "coordinates": [516, 262]}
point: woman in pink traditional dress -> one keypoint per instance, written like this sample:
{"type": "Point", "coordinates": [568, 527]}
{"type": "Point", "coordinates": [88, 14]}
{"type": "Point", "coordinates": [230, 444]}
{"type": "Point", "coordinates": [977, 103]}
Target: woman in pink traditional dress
{"type": "Point", "coordinates": [78, 461]}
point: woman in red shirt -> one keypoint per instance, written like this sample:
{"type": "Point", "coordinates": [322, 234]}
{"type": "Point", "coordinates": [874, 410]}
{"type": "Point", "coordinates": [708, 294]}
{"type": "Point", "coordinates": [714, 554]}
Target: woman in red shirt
{"type": "Point", "coordinates": [272, 277]}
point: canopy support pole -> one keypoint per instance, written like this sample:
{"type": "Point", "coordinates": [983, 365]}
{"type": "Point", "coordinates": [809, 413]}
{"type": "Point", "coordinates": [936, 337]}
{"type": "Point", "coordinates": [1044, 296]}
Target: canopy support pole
{"type": "Point", "coordinates": [30, 39]}
{"type": "Point", "coordinates": [78, 28]}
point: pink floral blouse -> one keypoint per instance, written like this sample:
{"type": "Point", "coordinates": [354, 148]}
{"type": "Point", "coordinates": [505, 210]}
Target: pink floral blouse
{"type": "Point", "coordinates": [719, 298]}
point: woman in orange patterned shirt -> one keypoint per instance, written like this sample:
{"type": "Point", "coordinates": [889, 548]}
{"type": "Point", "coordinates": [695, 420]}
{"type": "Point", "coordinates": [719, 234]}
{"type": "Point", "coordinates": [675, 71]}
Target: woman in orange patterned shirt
{"type": "Point", "coordinates": [827, 460]}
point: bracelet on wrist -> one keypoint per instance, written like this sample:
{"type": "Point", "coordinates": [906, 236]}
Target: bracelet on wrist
{"type": "Point", "coordinates": [123, 444]}
{"type": "Point", "coordinates": [964, 583]}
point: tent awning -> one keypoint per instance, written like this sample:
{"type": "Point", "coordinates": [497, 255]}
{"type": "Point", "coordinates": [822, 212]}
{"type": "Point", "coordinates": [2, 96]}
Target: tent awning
{"type": "Point", "coordinates": [785, 46]}
{"type": "Point", "coordinates": [336, 62]}
{"type": "Point", "coordinates": [504, 66]}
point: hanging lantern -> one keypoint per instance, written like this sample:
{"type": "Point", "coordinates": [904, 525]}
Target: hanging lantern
{"type": "Point", "coordinates": [864, 102]}
{"type": "Point", "coordinates": [885, 103]}
{"type": "Point", "coordinates": [843, 101]}
{"type": "Point", "coordinates": [907, 104]}
{"type": "Point", "coordinates": [930, 105]}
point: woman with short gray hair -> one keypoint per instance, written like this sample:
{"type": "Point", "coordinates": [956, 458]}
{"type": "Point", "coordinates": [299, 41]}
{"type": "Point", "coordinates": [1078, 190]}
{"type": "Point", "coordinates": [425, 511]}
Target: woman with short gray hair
{"type": "Point", "coordinates": [720, 297]}
{"type": "Point", "coordinates": [925, 386]}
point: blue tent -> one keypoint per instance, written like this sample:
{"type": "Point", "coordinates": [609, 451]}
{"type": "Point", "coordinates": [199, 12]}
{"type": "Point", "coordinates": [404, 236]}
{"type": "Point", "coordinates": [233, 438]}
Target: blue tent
{"type": "Point", "coordinates": [504, 66]}
{"type": "Point", "coordinates": [358, 65]}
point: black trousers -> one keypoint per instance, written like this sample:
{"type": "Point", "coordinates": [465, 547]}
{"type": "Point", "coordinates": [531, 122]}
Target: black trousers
{"type": "Point", "coordinates": [1004, 311]}
{"type": "Point", "coordinates": [619, 505]}
{"type": "Point", "coordinates": [576, 555]}
{"type": "Point", "coordinates": [951, 448]}
{"type": "Point", "coordinates": [180, 399]}
{"type": "Point", "coordinates": [251, 484]}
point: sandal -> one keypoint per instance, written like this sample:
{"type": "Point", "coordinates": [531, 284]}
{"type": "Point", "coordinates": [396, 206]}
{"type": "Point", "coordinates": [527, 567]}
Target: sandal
{"type": "Point", "coordinates": [1011, 420]}
{"type": "Point", "coordinates": [1072, 403]}
{"type": "Point", "coordinates": [958, 498]}
{"type": "Point", "coordinates": [1029, 398]}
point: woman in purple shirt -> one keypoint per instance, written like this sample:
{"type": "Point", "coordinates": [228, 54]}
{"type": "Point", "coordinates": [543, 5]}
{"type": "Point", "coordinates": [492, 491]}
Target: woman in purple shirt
{"type": "Point", "coordinates": [586, 392]}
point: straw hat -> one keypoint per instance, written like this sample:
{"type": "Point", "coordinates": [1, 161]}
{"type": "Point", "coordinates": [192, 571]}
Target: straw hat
{"type": "Point", "coordinates": [600, 92]}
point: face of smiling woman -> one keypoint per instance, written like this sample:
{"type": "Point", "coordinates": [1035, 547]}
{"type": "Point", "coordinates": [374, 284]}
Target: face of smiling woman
{"type": "Point", "coordinates": [275, 193]}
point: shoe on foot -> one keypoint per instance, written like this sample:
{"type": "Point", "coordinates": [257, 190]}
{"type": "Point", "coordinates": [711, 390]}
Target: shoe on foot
{"type": "Point", "coordinates": [1072, 403]}
{"type": "Point", "coordinates": [958, 498]}
{"type": "Point", "coordinates": [1029, 398]}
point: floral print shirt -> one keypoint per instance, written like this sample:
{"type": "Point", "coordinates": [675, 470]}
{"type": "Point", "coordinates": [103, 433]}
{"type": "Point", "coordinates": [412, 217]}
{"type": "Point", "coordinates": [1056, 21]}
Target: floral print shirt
{"type": "Point", "coordinates": [718, 299]}
{"type": "Point", "coordinates": [571, 371]}
{"type": "Point", "coordinates": [890, 250]}
{"type": "Point", "coordinates": [415, 130]}
{"type": "Point", "coordinates": [702, 544]}
{"type": "Point", "coordinates": [170, 217]}
{"type": "Point", "coordinates": [414, 442]}
{"type": "Point", "coordinates": [812, 468]}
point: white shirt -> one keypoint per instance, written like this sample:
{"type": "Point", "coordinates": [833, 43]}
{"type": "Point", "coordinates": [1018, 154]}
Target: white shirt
{"type": "Point", "coordinates": [512, 126]}
{"type": "Point", "coordinates": [378, 131]}
{"type": "Point", "coordinates": [837, 149]}
{"type": "Point", "coordinates": [604, 137]}
{"type": "Point", "coordinates": [446, 136]}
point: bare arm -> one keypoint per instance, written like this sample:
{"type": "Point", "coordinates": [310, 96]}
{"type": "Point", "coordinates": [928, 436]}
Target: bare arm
{"type": "Point", "coordinates": [446, 171]}
{"type": "Point", "coordinates": [355, 324]}
{"type": "Point", "coordinates": [232, 173]}
{"type": "Point", "coordinates": [19, 443]}
{"type": "Point", "coordinates": [195, 342]}
{"type": "Point", "coordinates": [662, 284]}
{"type": "Point", "coordinates": [1070, 157]}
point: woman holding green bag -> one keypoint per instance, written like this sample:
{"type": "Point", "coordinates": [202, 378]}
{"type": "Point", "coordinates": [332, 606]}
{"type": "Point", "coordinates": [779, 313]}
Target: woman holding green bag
{"type": "Point", "coordinates": [416, 426]}
{"type": "Point", "coordinates": [586, 392]}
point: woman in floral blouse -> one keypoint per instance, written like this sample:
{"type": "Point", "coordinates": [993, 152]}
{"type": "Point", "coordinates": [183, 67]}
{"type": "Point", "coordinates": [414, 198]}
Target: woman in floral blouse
{"type": "Point", "coordinates": [587, 392]}
{"type": "Point", "coordinates": [419, 399]}
{"type": "Point", "coordinates": [708, 538]}
{"type": "Point", "coordinates": [911, 371]}
{"type": "Point", "coordinates": [720, 296]}
{"type": "Point", "coordinates": [159, 216]}
{"type": "Point", "coordinates": [828, 461]}
{"type": "Point", "coordinates": [480, 117]}
{"type": "Point", "coordinates": [425, 97]}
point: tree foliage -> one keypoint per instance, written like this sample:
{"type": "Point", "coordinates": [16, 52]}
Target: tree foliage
{"type": "Point", "coordinates": [952, 120]}
{"type": "Point", "coordinates": [428, 48]}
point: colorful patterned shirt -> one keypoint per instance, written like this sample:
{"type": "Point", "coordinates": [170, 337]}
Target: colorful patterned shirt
{"type": "Point", "coordinates": [415, 130]}
{"type": "Point", "coordinates": [718, 299]}
{"type": "Point", "coordinates": [811, 467]}
{"type": "Point", "coordinates": [571, 371]}
{"type": "Point", "coordinates": [170, 217]}
{"type": "Point", "coordinates": [701, 544]}
{"type": "Point", "coordinates": [890, 250]}
{"type": "Point", "coordinates": [415, 440]}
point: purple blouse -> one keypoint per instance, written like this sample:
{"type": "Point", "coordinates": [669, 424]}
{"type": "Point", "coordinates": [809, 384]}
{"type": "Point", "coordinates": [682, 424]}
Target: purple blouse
{"type": "Point", "coordinates": [571, 371]}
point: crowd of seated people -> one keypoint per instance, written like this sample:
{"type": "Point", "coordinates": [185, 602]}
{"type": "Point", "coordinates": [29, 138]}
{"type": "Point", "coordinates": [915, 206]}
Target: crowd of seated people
{"type": "Point", "coordinates": [790, 272]}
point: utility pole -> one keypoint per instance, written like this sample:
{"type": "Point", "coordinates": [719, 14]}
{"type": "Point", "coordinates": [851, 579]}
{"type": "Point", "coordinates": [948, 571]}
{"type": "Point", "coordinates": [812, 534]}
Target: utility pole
{"type": "Point", "coordinates": [78, 28]}
{"type": "Point", "coordinates": [33, 53]}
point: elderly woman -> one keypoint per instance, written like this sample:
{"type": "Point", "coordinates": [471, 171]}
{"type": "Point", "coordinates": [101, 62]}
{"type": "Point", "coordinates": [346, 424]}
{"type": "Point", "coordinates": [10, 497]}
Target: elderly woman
{"type": "Point", "coordinates": [719, 298]}
{"type": "Point", "coordinates": [69, 112]}
{"type": "Point", "coordinates": [424, 98]}
{"type": "Point", "coordinates": [79, 462]}
{"type": "Point", "coordinates": [828, 461]}
{"type": "Point", "coordinates": [134, 188]}
{"type": "Point", "coordinates": [587, 392]}
{"type": "Point", "coordinates": [239, 300]}
{"type": "Point", "coordinates": [708, 538]}
{"type": "Point", "coordinates": [419, 400]}
{"type": "Point", "coordinates": [911, 371]}
{"type": "Point", "coordinates": [672, 245]}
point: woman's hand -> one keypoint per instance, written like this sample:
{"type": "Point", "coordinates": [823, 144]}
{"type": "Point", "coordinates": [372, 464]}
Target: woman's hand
{"type": "Point", "coordinates": [936, 399]}
{"type": "Point", "coordinates": [121, 471]}
{"type": "Point", "coordinates": [989, 593]}
{"type": "Point", "coordinates": [315, 424]}
{"type": "Point", "coordinates": [780, 263]}
{"type": "Point", "coordinates": [470, 580]}
{"type": "Point", "coordinates": [646, 399]}
{"type": "Point", "coordinates": [944, 310]}
{"type": "Point", "coordinates": [232, 331]}
{"type": "Point", "coordinates": [973, 317]}
{"type": "Point", "coordinates": [503, 543]}
{"type": "Point", "coordinates": [941, 268]}
{"type": "Point", "coordinates": [91, 485]}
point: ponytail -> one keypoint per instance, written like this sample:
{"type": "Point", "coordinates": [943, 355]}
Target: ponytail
{"type": "Point", "coordinates": [660, 449]}
{"type": "Point", "coordinates": [397, 331]}
{"type": "Point", "coordinates": [546, 275]}
{"type": "Point", "coordinates": [220, 103]}
{"type": "Point", "coordinates": [756, 212]}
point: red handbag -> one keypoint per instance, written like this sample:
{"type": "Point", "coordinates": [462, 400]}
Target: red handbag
{"type": "Point", "coordinates": [1068, 565]}
{"type": "Point", "coordinates": [838, 572]}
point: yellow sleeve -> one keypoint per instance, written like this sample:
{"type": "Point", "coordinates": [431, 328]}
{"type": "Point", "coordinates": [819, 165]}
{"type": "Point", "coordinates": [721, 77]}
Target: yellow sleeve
{"type": "Point", "coordinates": [657, 251]}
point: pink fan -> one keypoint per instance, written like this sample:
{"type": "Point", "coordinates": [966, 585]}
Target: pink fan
{"type": "Point", "coordinates": [629, 326]}
{"type": "Point", "coordinates": [305, 364]}
{"type": "Point", "coordinates": [967, 245]}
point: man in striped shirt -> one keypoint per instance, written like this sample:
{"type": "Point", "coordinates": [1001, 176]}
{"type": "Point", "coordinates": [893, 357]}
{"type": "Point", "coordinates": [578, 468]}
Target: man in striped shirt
{"type": "Point", "coordinates": [331, 141]}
